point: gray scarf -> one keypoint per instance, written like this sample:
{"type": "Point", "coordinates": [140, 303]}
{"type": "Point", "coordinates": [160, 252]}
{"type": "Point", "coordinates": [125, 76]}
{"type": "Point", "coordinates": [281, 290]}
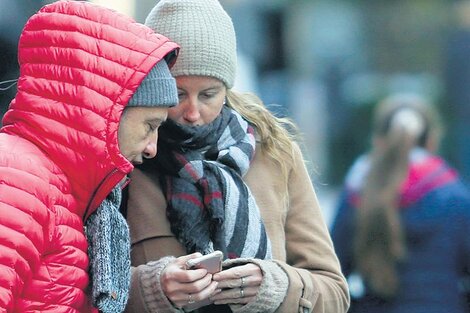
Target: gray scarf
{"type": "Point", "coordinates": [109, 252]}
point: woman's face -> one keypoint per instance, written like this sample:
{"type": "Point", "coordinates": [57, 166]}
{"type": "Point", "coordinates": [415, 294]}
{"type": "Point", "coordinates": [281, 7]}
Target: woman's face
{"type": "Point", "coordinates": [201, 99]}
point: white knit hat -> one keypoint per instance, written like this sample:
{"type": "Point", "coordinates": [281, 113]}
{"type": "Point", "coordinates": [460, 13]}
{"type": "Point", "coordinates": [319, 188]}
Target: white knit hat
{"type": "Point", "coordinates": [205, 33]}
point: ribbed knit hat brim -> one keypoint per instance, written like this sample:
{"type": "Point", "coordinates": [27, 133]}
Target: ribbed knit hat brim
{"type": "Point", "coordinates": [205, 33]}
{"type": "Point", "coordinates": [158, 89]}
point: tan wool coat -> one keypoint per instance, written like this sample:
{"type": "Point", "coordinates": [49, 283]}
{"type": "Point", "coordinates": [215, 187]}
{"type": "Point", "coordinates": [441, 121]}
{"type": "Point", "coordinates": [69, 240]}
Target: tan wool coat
{"type": "Point", "coordinates": [301, 243]}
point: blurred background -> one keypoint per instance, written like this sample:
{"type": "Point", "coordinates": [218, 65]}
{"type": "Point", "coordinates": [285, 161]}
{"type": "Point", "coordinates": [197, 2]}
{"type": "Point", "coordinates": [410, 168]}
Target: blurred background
{"type": "Point", "coordinates": [325, 64]}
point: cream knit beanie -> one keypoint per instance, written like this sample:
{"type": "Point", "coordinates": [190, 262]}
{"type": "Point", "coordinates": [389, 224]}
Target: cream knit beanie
{"type": "Point", "coordinates": [205, 33]}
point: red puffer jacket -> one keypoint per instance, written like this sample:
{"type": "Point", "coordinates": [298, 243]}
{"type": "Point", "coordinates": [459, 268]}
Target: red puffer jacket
{"type": "Point", "coordinates": [59, 154]}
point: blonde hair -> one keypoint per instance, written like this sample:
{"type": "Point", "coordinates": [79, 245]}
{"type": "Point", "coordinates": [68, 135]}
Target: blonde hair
{"type": "Point", "coordinates": [276, 135]}
{"type": "Point", "coordinates": [401, 122]}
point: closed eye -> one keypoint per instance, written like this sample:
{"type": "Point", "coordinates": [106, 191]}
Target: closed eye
{"type": "Point", "coordinates": [153, 125]}
{"type": "Point", "coordinates": [207, 95]}
{"type": "Point", "coordinates": [181, 95]}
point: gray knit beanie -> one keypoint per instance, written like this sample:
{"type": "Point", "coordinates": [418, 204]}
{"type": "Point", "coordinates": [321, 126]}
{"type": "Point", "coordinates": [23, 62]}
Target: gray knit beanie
{"type": "Point", "coordinates": [205, 33]}
{"type": "Point", "coordinates": [157, 89]}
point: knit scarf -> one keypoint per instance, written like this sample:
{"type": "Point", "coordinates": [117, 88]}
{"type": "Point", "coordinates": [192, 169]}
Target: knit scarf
{"type": "Point", "coordinates": [208, 204]}
{"type": "Point", "coordinates": [109, 253]}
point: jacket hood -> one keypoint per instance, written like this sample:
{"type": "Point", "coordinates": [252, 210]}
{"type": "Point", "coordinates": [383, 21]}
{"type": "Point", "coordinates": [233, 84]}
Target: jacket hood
{"type": "Point", "coordinates": [79, 65]}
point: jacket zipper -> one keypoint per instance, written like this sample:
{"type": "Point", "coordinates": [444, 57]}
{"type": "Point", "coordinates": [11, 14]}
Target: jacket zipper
{"type": "Point", "coordinates": [100, 186]}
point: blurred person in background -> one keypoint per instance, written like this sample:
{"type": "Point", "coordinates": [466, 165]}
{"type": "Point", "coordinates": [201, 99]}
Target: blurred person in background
{"type": "Point", "coordinates": [224, 163]}
{"type": "Point", "coordinates": [404, 215]}
{"type": "Point", "coordinates": [94, 88]}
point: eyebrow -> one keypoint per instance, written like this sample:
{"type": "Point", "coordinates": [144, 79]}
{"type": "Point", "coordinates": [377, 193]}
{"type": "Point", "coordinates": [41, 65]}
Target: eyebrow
{"type": "Point", "coordinates": [218, 86]}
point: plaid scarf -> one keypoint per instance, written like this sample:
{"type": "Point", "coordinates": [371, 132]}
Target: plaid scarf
{"type": "Point", "coordinates": [209, 205]}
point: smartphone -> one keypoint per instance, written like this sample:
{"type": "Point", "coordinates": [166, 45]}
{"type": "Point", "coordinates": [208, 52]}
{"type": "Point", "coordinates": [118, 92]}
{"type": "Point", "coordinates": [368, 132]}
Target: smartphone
{"type": "Point", "coordinates": [212, 262]}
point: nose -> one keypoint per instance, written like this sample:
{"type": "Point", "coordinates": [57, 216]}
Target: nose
{"type": "Point", "coordinates": [191, 110]}
{"type": "Point", "coordinates": [151, 148]}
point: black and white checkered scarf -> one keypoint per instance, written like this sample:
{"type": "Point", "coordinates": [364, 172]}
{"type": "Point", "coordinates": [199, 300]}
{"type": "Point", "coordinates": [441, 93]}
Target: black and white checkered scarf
{"type": "Point", "coordinates": [209, 205]}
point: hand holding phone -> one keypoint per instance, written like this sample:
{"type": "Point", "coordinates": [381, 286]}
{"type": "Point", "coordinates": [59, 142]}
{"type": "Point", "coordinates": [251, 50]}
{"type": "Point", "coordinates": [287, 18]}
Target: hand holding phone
{"type": "Point", "coordinates": [212, 262]}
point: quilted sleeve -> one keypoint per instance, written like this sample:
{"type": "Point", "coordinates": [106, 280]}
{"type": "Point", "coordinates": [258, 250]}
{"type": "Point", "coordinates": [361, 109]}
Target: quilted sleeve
{"type": "Point", "coordinates": [23, 222]}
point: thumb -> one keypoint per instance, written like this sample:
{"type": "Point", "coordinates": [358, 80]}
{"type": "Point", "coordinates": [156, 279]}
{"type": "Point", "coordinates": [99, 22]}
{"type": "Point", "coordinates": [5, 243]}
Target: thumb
{"type": "Point", "coordinates": [183, 259]}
